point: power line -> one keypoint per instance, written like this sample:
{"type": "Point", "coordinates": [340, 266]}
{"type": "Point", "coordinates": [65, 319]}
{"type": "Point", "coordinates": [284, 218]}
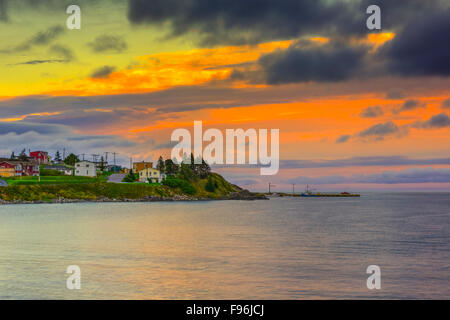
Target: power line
{"type": "Point", "coordinates": [271, 185]}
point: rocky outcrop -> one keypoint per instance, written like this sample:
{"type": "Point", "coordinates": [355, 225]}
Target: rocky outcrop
{"type": "Point", "coordinates": [247, 195]}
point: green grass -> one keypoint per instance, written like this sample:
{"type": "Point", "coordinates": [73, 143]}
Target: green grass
{"type": "Point", "coordinates": [16, 181]}
{"type": "Point", "coordinates": [83, 191]}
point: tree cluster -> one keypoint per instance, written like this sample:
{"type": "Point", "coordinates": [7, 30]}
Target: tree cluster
{"type": "Point", "coordinates": [188, 169]}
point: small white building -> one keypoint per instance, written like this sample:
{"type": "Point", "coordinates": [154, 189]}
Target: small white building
{"type": "Point", "coordinates": [85, 169]}
{"type": "Point", "coordinates": [66, 170]}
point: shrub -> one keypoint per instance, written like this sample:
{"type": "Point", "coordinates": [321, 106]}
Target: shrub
{"type": "Point", "coordinates": [47, 173]}
{"type": "Point", "coordinates": [184, 185]}
{"type": "Point", "coordinates": [210, 185]}
{"type": "Point", "coordinates": [130, 177]}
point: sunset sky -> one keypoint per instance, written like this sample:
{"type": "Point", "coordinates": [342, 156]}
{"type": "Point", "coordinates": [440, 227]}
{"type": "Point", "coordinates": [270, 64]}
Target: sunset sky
{"type": "Point", "coordinates": [357, 109]}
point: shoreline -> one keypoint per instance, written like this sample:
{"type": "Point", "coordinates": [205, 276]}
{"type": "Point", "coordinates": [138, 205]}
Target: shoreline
{"type": "Point", "coordinates": [177, 198]}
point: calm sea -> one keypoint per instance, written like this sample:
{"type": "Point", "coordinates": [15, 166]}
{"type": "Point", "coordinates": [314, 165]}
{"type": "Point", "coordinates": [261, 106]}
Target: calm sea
{"type": "Point", "coordinates": [284, 248]}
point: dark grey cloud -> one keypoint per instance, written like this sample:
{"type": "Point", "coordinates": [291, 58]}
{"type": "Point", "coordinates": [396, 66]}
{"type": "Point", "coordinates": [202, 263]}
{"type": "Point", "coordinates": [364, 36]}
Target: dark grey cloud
{"type": "Point", "coordinates": [62, 51]}
{"type": "Point", "coordinates": [371, 112]}
{"type": "Point", "coordinates": [446, 103]}
{"type": "Point", "coordinates": [253, 21]}
{"type": "Point", "coordinates": [331, 62]}
{"type": "Point", "coordinates": [344, 138]}
{"type": "Point", "coordinates": [250, 21]}
{"type": "Point", "coordinates": [3, 11]}
{"type": "Point", "coordinates": [395, 95]}
{"type": "Point", "coordinates": [421, 48]}
{"type": "Point", "coordinates": [168, 145]}
{"type": "Point", "coordinates": [412, 175]}
{"type": "Point", "coordinates": [24, 127]}
{"type": "Point", "coordinates": [441, 120]}
{"type": "Point", "coordinates": [409, 105]}
{"type": "Point", "coordinates": [108, 43]}
{"type": "Point", "coordinates": [40, 38]}
{"type": "Point", "coordinates": [380, 130]}
{"type": "Point", "coordinates": [103, 72]}
{"type": "Point", "coordinates": [34, 62]}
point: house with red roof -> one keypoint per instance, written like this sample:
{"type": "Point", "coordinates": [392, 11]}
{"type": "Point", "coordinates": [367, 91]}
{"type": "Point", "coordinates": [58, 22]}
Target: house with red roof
{"type": "Point", "coordinates": [40, 156]}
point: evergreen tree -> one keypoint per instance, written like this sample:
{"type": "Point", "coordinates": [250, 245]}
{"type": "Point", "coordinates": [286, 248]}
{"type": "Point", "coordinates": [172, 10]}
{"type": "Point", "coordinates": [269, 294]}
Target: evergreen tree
{"type": "Point", "coordinates": [57, 156]}
{"type": "Point", "coordinates": [186, 172]}
{"type": "Point", "coordinates": [130, 177]}
{"type": "Point", "coordinates": [71, 159]}
{"type": "Point", "coordinates": [12, 157]}
{"type": "Point", "coordinates": [192, 163]}
{"type": "Point", "coordinates": [23, 156]}
{"type": "Point", "coordinates": [204, 170]}
{"type": "Point", "coordinates": [102, 163]}
{"type": "Point", "coordinates": [171, 167]}
{"type": "Point", "coordinates": [161, 165]}
{"type": "Point", "coordinates": [210, 185]}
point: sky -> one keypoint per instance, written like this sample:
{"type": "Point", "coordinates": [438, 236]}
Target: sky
{"type": "Point", "coordinates": [357, 109]}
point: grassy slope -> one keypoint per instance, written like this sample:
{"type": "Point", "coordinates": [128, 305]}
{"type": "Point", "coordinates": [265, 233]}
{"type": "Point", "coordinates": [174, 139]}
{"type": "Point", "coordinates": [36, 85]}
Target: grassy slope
{"type": "Point", "coordinates": [95, 190]}
{"type": "Point", "coordinates": [14, 181]}
{"type": "Point", "coordinates": [224, 187]}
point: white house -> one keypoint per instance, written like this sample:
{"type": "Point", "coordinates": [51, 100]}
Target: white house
{"type": "Point", "coordinates": [85, 169]}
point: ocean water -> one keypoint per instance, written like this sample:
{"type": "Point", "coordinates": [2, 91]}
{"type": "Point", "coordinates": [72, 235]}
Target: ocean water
{"type": "Point", "coordinates": [285, 248]}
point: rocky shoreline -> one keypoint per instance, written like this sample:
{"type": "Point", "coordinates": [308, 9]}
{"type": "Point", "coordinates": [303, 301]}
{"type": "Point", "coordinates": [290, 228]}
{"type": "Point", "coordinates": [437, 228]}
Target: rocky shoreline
{"type": "Point", "coordinates": [242, 195]}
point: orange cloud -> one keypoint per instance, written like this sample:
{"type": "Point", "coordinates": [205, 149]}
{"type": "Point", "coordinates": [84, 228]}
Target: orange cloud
{"type": "Point", "coordinates": [165, 70]}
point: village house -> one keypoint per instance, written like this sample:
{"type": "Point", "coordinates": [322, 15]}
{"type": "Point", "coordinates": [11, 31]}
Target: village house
{"type": "Point", "coordinates": [85, 169]}
{"type": "Point", "coordinates": [40, 157]}
{"type": "Point", "coordinates": [138, 166]}
{"type": "Point", "coordinates": [151, 174]}
{"type": "Point", "coordinates": [15, 168]}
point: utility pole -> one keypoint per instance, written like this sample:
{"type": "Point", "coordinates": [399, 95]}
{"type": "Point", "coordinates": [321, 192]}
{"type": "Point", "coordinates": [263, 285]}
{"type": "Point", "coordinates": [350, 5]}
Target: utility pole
{"type": "Point", "coordinates": [270, 186]}
{"type": "Point", "coordinates": [131, 163]}
{"type": "Point", "coordinates": [114, 154]}
{"type": "Point", "coordinates": [293, 189]}
{"type": "Point", "coordinates": [83, 154]}
{"type": "Point", "coordinates": [106, 156]}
